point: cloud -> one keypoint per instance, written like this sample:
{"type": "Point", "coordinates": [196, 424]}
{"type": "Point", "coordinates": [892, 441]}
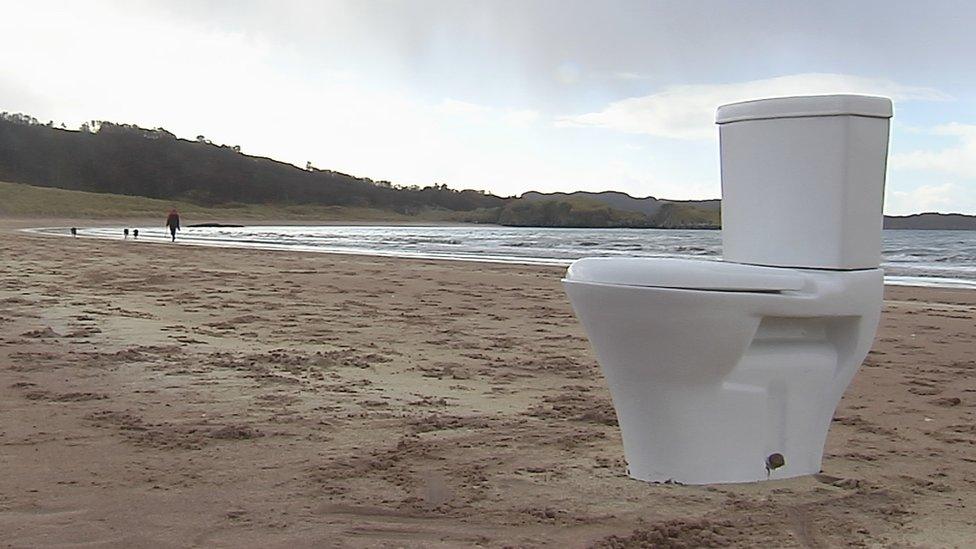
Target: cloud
{"type": "Point", "coordinates": [946, 198]}
{"type": "Point", "coordinates": [483, 114]}
{"type": "Point", "coordinates": [358, 88]}
{"type": "Point", "coordinates": [239, 88]}
{"type": "Point", "coordinates": [522, 117]}
{"type": "Point", "coordinates": [688, 111]}
{"type": "Point", "coordinates": [462, 108]}
{"type": "Point", "coordinates": [958, 160]}
{"type": "Point", "coordinates": [626, 75]}
{"type": "Point", "coordinates": [568, 73]}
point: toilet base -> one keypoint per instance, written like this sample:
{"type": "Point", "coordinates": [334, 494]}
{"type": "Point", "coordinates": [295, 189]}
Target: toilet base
{"type": "Point", "coordinates": [768, 419]}
{"type": "Point", "coordinates": [728, 386]}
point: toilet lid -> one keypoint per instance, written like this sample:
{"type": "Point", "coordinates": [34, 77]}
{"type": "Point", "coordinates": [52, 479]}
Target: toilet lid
{"type": "Point", "coordinates": [683, 273]}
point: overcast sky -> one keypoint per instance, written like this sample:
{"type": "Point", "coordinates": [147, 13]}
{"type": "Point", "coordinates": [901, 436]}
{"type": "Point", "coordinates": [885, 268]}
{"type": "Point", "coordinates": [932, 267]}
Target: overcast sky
{"type": "Point", "coordinates": [506, 96]}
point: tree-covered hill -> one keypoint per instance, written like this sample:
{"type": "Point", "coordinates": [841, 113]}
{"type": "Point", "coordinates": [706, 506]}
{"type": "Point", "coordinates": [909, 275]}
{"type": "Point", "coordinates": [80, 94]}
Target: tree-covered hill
{"type": "Point", "coordinates": [586, 211]}
{"type": "Point", "coordinates": [128, 160]}
{"type": "Point", "coordinates": [123, 159]}
{"type": "Point", "coordinates": [617, 200]}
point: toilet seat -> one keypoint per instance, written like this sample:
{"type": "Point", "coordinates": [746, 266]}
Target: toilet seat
{"type": "Point", "coordinates": [686, 274]}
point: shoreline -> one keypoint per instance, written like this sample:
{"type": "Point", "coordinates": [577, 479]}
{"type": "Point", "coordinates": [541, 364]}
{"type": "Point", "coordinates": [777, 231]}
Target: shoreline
{"type": "Point", "coordinates": [890, 280]}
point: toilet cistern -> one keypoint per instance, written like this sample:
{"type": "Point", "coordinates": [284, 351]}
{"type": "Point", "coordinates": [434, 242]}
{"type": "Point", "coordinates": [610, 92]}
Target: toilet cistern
{"type": "Point", "coordinates": [730, 371]}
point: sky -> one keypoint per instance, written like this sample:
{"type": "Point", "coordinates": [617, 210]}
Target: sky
{"type": "Point", "coordinates": [498, 95]}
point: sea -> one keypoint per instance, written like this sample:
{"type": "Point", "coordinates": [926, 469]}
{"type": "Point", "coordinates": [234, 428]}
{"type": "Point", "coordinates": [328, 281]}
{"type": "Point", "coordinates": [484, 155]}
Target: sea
{"type": "Point", "coordinates": [917, 258]}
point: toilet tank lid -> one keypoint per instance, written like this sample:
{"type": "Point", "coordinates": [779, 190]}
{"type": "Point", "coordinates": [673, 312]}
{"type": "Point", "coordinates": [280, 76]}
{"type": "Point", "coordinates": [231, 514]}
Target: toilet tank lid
{"type": "Point", "coordinates": [683, 273]}
{"type": "Point", "coordinates": [805, 106]}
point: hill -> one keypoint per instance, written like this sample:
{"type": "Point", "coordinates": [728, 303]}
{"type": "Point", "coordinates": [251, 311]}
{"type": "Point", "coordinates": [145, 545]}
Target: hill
{"type": "Point", "coordinates": [128, 160]}
{"type": "Point", "coordinates": [19, 200]}
{"type": "Point", "coordinates": [118, 160]}
{"type": "Point", "coordinates": [588, 212]}
{"type": "Point", "coordinates": [705, 213]}
{"type": "Point", "coordinates": [932, 221]}
{"type": "Point", "coordinates": [648, 206]}
{"type": "Point", "coordinates": [647, 212]}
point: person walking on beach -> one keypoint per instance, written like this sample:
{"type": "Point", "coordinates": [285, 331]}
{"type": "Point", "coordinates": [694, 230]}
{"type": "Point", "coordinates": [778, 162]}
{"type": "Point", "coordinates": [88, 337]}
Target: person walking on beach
{"type": "Point", "coordinates": [126, 233]}
{"type": "Point", "coordinates": [135, 233]}
{"type": "Point", "coordinates": [74, 231]}
{"type": "Point", "coordinates": [173, 222]}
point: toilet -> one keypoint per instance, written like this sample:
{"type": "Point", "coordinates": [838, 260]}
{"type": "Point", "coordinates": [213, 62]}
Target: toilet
{"type": "Point", "coordinates": [730, 371]}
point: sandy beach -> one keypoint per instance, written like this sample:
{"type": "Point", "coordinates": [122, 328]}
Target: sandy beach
{"type": "Point", "coordinates": [169, 396]}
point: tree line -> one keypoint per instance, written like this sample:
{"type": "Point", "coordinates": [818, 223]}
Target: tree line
{"type": "Point", "coordinates": [126, 159]}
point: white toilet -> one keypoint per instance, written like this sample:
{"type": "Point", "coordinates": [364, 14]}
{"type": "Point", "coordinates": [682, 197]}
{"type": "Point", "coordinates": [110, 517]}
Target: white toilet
{"type": "Point", "coordinates": [730, 371]}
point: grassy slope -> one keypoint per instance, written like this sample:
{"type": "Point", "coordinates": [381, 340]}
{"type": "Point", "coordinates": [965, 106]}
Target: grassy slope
{"type": "Point", "coordinates": [18, 200]}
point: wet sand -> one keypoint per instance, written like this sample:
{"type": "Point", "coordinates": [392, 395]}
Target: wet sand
{"type": "Point", "coordinates": [159, 395]}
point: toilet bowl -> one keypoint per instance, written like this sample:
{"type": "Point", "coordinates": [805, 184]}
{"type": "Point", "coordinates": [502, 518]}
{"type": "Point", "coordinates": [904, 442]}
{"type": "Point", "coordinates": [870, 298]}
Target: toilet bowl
{"type": "Point", "coordinates": [730, 371]}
